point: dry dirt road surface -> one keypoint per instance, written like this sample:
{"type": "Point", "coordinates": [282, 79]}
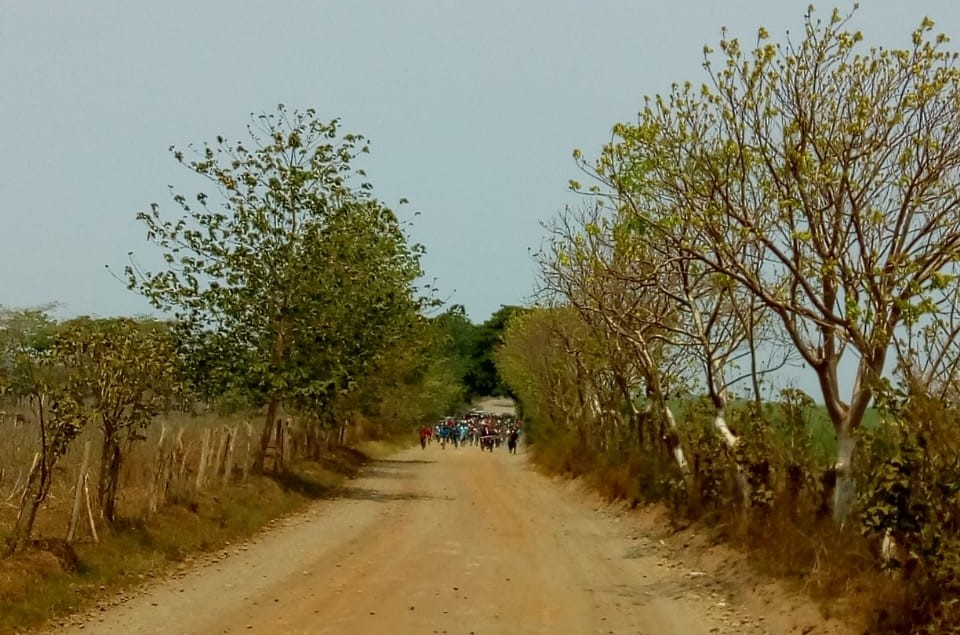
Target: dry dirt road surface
{"type": "Point", "coordinates": [455, 541]}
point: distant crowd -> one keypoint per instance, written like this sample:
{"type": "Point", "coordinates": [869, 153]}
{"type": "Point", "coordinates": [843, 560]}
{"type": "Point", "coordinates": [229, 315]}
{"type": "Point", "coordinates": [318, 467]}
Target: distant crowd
{"type": "Point", "coordinates": [475, 428]}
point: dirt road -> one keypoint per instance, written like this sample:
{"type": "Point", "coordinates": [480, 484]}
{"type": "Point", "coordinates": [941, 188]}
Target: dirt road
{"type": "Point", "coordinates": [453, 541]}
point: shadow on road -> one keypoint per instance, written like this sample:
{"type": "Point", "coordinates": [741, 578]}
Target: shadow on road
{"type": "Point", "coordinates": [403, 461]}
{"type": "Point", "coordinates": [367, 494]}
{"type": "Point", "coordinates": [392, 468]}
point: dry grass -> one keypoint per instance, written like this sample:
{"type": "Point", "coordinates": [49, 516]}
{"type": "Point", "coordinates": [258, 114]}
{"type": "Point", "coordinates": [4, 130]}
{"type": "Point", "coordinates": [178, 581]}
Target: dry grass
{"type": "Point", "coordinates": [53, 578]}
{"type": "Point", "coordinates": [789, 540]}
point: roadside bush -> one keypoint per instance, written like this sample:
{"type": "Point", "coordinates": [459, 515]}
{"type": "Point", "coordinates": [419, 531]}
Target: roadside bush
{"type": "Point", "coordinates": [568, 454]}
{"type": "Point", "coordinates": [711, 470]}
{"type": "Point", "coordinates": [910, 504]}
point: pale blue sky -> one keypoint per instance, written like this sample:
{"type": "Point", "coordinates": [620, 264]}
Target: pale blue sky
{"type": "Point", "coordinates": [472, 110]}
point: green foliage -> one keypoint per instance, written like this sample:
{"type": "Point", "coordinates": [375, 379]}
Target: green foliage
{"type": "Point", "coordinates": [483, 377]}
{"type": "Point", "coordinates": [415, 382]}
{"type": "Point", "coordinates": [129, 368]}
{"type": "Point", "coordinates": [814, 178]}
{"type": "Point", "coordinates": [294, 281]}
{"type": "Point", "coordinates": [471, 349]}
{"type": "Point", "coordinates": [125, 372]}
{"type": "Point", "coordinates": [37, 368]}
{"type": "Point", "coordinates": [534, 363]}
{"type": "Point", "coordinates": [458, 337]}
{"type": "Point", "coordinates": [911, 494]}
{"type": "Point", "coordinates": [25, 337]}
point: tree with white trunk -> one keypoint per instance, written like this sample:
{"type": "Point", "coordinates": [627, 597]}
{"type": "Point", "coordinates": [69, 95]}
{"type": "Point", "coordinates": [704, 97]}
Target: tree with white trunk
{"type": "Point", "coordinates": [823, 179]}
{"type": "Point", "coordinates": [611, 282]}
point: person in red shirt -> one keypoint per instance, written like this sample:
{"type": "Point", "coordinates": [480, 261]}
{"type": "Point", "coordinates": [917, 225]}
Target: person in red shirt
{"type": "Point", "coordinates": [425, 434]}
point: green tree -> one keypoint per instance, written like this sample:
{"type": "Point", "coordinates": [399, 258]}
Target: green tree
{"type": "Point", "coordinates": [34, 371]}
{"type": "Point", "coordinates": [297, 272]}
{"type": "Point", "coordinates": [457, 339]}
{"type": "Point", "coordinates": [470, 349]}
{"type": "Point", "coordinates": [416, 383]}
{"type": "Point", "coordinates": [125, 373]}
{"type": "Point", "coordinates": [820, 177]}
{"type": "Point", "coordinates": [24, 335]}
{"type": "Point", "coordinates": [613, 284]}
{"type": "Point", "coordinates": [364, 305]}
{"type": "Point", "coordinates": [482, 377]}
{"type": "Point", "coordinates": [535, 360]}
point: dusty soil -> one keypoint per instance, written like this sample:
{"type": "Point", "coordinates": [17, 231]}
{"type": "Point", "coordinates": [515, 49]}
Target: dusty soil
{"type": "Point", "coordinates": [461, 541]}
{"type": "Point", "coordinates": [496, 405]}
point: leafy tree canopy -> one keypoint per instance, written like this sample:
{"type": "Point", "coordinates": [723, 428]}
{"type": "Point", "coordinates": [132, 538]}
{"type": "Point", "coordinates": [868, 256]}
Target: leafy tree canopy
{"type": "Point", "coordinates": [293, 280]}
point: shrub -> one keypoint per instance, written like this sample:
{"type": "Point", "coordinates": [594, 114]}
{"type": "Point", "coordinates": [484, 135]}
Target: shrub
{"type": "Point", "coordinates": [909, 498]}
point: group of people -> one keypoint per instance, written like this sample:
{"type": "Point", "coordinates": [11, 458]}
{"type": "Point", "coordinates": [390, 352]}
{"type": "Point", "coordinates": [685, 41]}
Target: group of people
{"type": "Point", "coordinates": [477, 428]}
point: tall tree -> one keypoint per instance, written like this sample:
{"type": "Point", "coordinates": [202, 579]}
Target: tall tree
{"type": "Point", "coordinates": [483, 378]}
{"type": "Point", "coordinates": [535, 360]}
{"type": "Point", "coordinates": [824, 179]}
{"type": "Point", "coordinates": [613, 283]}
{"type": "Point", "coordinates": [457, 339]}
{"type": "Point", "coordinates": [280, 266]}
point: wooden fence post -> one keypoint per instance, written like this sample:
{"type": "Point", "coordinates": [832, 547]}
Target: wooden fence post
{"type": "Point", "coordinates": [157, 489]}
{"type": "Point", "coordinates": [204, 451]}
{"type": "Point", "coordinates": [178, 456]}
{"type": "Point", "coordinates": [222, 439]}
{"type": "Point", "coordinates": [245, 470]}
{"type": "Point", "coordinates": [86, 494]}
{"type": "Point", "coordinates": [183, 455]}
{"type": "Point", "coordinates": [228, 461]}
{"type": "Point", "coordinates": [26, 488]}
{"type": "Point", "coordinates": [78, 494]}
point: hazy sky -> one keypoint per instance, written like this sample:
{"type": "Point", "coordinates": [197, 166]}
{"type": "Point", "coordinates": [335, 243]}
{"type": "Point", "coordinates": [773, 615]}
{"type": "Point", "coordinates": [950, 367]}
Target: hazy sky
{"type": "Point", "coordinates": [472, 109]}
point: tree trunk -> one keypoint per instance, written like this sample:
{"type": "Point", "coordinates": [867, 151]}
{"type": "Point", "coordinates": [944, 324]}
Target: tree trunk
{"type": "Point", "coordinates": [281, 440]}
{"type": "Point", "coordinates": [228, 461]}
{"type": "Point", "coordinates": [730, 440]}
{"type": "Point", "coordinates": [845, 490]}
{"type": "Point", "coordinates": [33, 497]}
{"type": "Point", "coordinates": [277, 355]}
{"type": "Point", "coordinates": [78, 494]}
{"type": "Point", "coordinates": [266, 435]}
{"type": "Point", "coordinates": [670, 431]}
{"type": "Point", "coordinates": [111, 459]}
{"type": "Point", "coordinates": [673, 439]}
{"type": "Point", "coordinates": [636, 415]}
